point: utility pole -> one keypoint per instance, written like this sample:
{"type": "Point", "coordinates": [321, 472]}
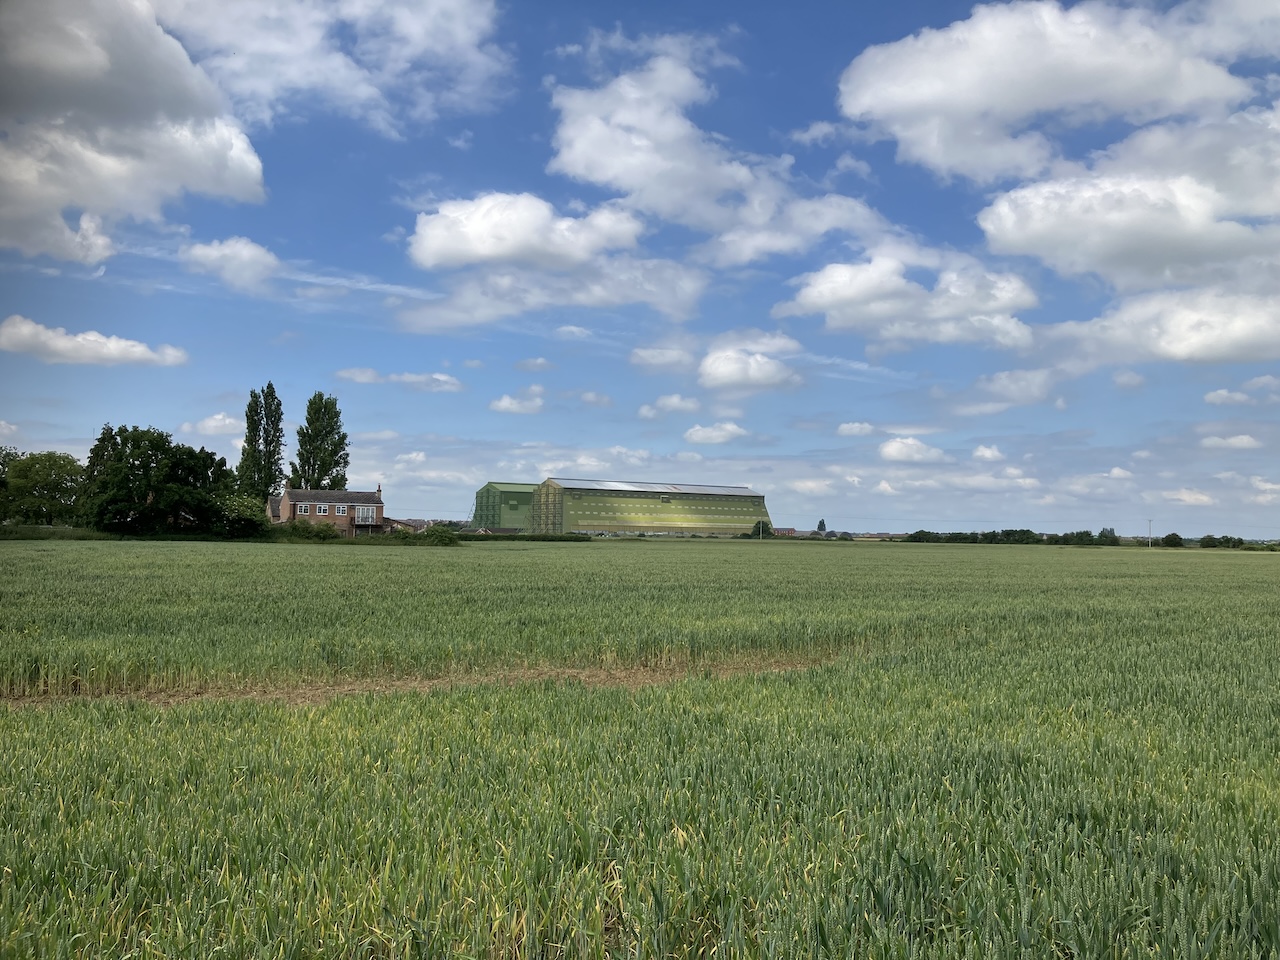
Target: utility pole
{"type": "Point", "coordinates": [1148, 534]}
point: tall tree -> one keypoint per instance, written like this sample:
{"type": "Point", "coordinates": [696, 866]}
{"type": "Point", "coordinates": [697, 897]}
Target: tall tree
{"type": "Point", "coordinates": [43, 487]}
{"type": "Point", "coordinates": [260, 472]}
{"type": "Point", "coordinates": [322, 447]}
{"type": "Point", "coordinates": [250, 475]}
{"type": "Point", "coordinates": [139, 481]}
{"type": "Point", "coordinates": [272, 439]}
{"type": "Point", "coordinates": [7, 456]}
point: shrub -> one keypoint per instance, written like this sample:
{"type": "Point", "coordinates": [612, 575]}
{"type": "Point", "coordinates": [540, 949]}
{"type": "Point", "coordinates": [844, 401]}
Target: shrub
{"type": "Point", "coordinates": [302, 530]}
{"type": "Point", "coordinates": [439, 535]}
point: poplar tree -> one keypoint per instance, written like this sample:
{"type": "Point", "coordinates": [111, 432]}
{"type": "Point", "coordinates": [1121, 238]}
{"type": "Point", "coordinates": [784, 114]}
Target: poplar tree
{"type": "Point", "coordinates": [249, 471]}
{"type": "Point", "coordinates": [272, 439]}
{"type": "Point", "coordinates": [322, 447]}
{"type": "Point", "coordinates": [260, 472]}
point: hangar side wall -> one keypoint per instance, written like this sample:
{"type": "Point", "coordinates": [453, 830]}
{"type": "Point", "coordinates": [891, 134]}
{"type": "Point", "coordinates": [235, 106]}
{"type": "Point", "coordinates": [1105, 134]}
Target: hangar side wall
{"type": "Point", "coordinates": [563, 511]}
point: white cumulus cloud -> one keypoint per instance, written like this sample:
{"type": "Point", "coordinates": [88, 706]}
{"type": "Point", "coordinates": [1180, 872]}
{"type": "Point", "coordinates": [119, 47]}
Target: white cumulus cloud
{"type": "Point", "coordinates": [55, 345]}
{"type": "Point", "coordinates": [239, 262]}
{"type": "Point", "coordinates": [426, 382]}
{"type": "Point", "coordinates": [741, 361]}
{"type": "Point", "coordinates": [388, 64]}
{"type": "Point", "coordinates": [856, 428]}
{"type": "Point", "coordinates": [1203, 325]}
{"type": "Point", "coordinates": [963, 99]}
{"type": "Point", "coordinates": [517, 228]}
{"type": "Point", "coordinates": [529, 401]}
{"type": "Point", "coordinates": [1224, 397]}
{"type": "Point", "coordinates": [967, 303]}
{"type": "Point", "coordinates": [716, 433]}
{"type": "Point", "coordinates": [217, 425]}
{"type": "Point", "coordinates": [495, 292]}
{"type": "Point", "coordinates": [669, 403]}
{"type": "Point", "coordinates": [910, 450]}
{"type": "Point", "coordinates": [1241, 441]}
{"type": "Point", "coordinates": [812, 488]}
{"type": "Point", "coordinates": [1188, 497]}
{"type": "Point", "coordinates": [633, 134]}
{"type": "Point", "coordinates": [989, 454]}
{"type": "Point", "coordinates": [105, 118]}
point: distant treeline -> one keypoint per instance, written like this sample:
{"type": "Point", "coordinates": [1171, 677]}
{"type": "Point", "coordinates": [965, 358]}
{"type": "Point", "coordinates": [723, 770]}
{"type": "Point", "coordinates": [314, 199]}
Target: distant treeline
{"type": "Point", "coordinates": [1106, 537]}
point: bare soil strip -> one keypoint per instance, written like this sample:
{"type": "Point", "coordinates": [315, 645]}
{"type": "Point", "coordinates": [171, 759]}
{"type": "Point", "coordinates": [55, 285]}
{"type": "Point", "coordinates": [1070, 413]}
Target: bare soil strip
{"type": "Point", "coordinates": [319, 692]}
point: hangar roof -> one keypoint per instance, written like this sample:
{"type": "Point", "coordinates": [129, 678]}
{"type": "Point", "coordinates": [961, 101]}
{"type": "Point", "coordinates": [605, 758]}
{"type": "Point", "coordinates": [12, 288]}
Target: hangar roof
{"type": "Point", "coordinates": [628, 486]}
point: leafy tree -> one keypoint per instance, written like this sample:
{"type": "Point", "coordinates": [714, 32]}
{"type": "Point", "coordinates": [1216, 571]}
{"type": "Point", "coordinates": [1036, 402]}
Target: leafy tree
{"type": "Point", "coordinates": [1107, 537]}
{"type": "Point", "coordinates": [322, 447]}
{"type": "Point", "coordinates": [241, 516]}
{"type": "Point", "coordinates": [1171, 540]}
{"type": "Point", "coordinates": [923, 536]}
{"type": "Point", "coordinates": [1208, 542]}
{"type": "Point", "coordinates": [7, 456]}
{"type": "Point", "coordinates": [260, 472]}
{"type": "Point", "coordinates": [42, 487]}
{"type": "Point", "coordinates": [138, 481]}
{"type": "Point", "coordinates": [250, 472]}
{"type": "Point", "coordinates": [822, 526]}
{"type": "Point", "coordinates": [762, 530]}
{"type": "Point", "coordinates": [439, 535]}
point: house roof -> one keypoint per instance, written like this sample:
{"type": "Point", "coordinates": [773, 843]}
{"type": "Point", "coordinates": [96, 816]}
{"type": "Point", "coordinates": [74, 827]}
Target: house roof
{"type": "Point", "coordinates": [273, 507]}
{"type": "Point", "coordinates": [334, 496]}
{"type": "Point", "coordinates": [628, 486]}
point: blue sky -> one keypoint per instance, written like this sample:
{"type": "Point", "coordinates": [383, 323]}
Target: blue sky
{"type": "Point", "coordinates": [932, 265]}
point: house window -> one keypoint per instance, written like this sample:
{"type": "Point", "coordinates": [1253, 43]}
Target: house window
{"type": "Point", "coordinates": [322, 509]}
{"type": "Point", "coordinates": [340, 510]}
{"type": "Point", "coordinates": [366, 515]}
{"type": "Point", "coordinates": [304, 509]}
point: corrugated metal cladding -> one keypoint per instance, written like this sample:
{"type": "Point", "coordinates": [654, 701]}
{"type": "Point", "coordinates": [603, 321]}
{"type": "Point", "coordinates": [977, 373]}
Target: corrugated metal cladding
{"type": "Point", "coordinates": [635, 487]}
{"type": "Point", "coordinates": [562, 505]}
{"type": "Point", "coordinates": [503, 506]}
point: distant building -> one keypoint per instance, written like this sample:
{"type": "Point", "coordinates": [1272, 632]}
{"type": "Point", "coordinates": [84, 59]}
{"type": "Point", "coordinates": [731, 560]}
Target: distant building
{"type": "Point", "coordinates": [561, 505]}
{"type": "Point", "coordinates": [503, 505]}
{"type": "Point", "coordinates": [350, 512]}
{"type": "Point", "coordinates": [784, 531]}
{"type": "Point", "coordinates": [410, 525]}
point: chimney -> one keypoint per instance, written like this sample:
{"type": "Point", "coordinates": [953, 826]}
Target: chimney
{"type": "Point", "coordinates": [379, 491]}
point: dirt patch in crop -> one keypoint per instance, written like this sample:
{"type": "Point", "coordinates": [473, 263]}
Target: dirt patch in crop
{"type": "Point", "coordinates": [317, 692]}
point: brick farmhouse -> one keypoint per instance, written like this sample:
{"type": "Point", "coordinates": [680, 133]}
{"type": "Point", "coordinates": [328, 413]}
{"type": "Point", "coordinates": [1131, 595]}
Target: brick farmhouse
{"type": "Point", "coordinates": [351, 512]}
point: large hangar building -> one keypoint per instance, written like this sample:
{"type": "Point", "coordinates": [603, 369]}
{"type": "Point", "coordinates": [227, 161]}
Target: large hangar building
{"type": "Point", "coordinates": [503, 506]}
{"type": "Point", "coordinates": [561, 505]}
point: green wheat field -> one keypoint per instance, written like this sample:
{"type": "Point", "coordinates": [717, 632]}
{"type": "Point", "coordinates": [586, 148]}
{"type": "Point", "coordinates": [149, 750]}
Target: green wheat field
{"type": "Point", "coordinates": [643, 749]}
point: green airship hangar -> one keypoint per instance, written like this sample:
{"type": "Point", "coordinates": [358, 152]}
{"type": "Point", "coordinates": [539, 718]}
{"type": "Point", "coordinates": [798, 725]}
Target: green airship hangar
{"type": "Point", "coordinates": [561, 505]}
